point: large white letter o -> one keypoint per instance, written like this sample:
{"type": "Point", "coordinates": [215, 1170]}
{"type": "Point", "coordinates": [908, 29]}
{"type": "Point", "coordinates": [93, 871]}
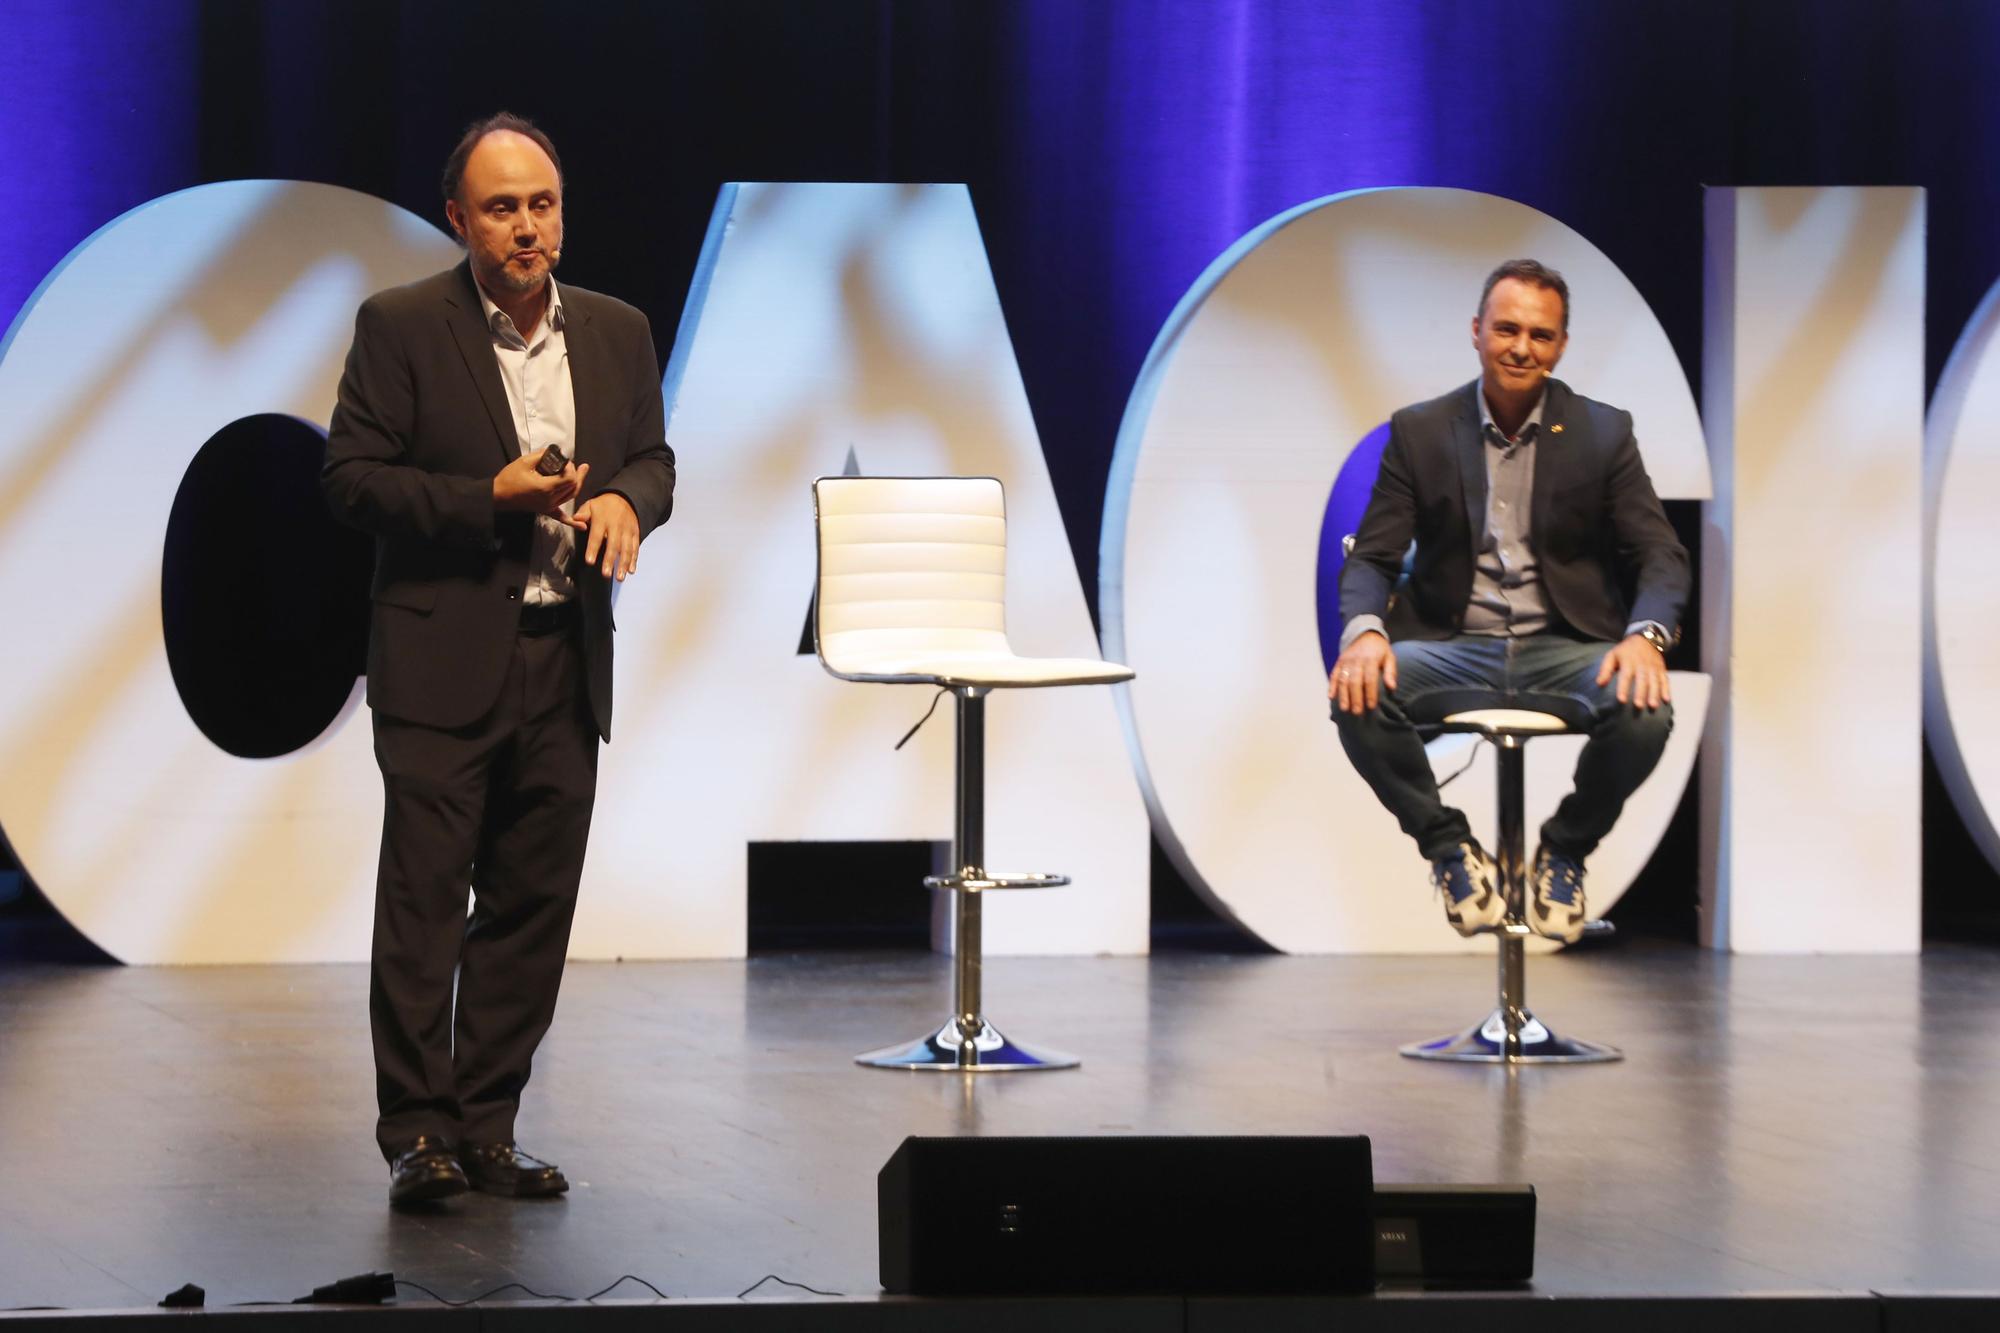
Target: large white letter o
{"type": "Point", "coordinates": [1293, 347]}
{"type": "Point", "coordinates": [1962, 645]}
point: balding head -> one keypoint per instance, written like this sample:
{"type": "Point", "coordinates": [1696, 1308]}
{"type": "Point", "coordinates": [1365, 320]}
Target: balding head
{"type": "Point", "coordinates": [504, 200]}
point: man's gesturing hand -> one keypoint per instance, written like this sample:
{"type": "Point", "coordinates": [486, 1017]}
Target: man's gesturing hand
{"type": "Point", "coordinates": [1641, 671]}
{"type": "Point", "coordinates": [614, 530]}
{"type": "Point", "coordinates": [1366, 668]}
{"type": "Point", "coordinates": [518, 486]}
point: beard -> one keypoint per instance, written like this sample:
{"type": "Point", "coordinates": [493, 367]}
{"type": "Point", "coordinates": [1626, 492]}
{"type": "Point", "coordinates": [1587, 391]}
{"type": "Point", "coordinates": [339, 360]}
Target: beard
{"type": "Point", "coordinates": [519, 280]}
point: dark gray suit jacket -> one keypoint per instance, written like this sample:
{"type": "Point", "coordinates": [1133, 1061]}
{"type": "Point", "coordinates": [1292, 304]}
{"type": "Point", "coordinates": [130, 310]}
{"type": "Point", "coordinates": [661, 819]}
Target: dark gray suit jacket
{"type": "Point", "coordinates": [421, 426]}
{"type": "Point", "coordinates": [1596, 524]}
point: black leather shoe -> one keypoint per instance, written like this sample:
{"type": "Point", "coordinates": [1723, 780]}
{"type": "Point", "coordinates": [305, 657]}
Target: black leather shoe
{"type": "Point", "coordinates": [424, 1171]}
{"type": "Point", "coordinates": [502, 1168]}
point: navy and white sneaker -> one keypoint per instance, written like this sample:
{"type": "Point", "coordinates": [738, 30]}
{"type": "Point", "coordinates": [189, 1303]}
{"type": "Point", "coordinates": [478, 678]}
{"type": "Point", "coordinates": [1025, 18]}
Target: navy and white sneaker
{"type": "Point", "coordinates": [1557, 910]}
{"type": "Point", "coordinates": [1470, 883]}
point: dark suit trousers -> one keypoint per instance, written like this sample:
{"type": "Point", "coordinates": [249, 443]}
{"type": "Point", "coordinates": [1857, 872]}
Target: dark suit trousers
{"type": "Point", "coordinates": [500, 807]}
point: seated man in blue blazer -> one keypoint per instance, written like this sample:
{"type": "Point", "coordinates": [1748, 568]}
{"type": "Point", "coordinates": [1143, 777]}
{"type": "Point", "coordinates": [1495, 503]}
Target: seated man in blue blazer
{"type": "Point", "coordinates": [1531, 515]}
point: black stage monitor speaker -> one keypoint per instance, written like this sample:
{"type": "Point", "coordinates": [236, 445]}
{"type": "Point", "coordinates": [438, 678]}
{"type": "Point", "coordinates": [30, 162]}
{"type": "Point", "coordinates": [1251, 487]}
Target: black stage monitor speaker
{"type": "Point", "coordinates": [1064, 1215]}
{"type": "Point", "coordinates": [1477, 1234]}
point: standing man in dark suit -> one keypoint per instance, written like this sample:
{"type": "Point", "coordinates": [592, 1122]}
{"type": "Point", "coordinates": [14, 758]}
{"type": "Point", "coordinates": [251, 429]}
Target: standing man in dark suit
{"type": "Point", "coordinates": [503, 440]}
{"type": "Point", "coordinates": [1531, 512]}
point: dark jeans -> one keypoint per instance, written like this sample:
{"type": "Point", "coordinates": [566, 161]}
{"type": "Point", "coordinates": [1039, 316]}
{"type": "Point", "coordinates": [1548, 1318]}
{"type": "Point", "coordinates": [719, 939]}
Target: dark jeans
{"type": "Point", "coordinates": [1625, 742]}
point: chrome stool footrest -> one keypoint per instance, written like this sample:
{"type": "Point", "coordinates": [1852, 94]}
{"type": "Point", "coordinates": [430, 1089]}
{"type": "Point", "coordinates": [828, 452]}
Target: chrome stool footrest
{"type": "Point", "coordinates": [974, 880]}
{"type": "Point", "coordinates": [987, 1052]}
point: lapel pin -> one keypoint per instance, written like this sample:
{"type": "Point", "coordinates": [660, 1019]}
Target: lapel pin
{"type": "Point", "coordinates": [1556, 429]}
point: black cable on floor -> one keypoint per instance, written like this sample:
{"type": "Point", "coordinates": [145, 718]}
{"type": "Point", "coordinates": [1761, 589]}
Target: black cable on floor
{"type": "Point", "coordinates": [538, 1295]}
{"type": "Point", "coordinates": [630, 1277]}
{"type": "Point", "coordinates": [773, 1277]}
{"type": "Point", "coordinates": [522, 1287]}
{"type": "Point", "coordinates": [484, 1295]}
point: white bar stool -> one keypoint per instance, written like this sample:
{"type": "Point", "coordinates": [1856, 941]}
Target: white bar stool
{"type": "Point", "coordinates": [912, 591]}
{"type": "Point", "coordinates": [1510, 1035]}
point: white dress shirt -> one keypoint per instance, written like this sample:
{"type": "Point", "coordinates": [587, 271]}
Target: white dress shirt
{"type": "Point", "coordinates": [544, 405]}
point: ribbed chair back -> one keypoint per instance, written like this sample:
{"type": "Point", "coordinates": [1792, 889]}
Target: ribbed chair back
{"type": "Point", "coordinates": [909, 567]}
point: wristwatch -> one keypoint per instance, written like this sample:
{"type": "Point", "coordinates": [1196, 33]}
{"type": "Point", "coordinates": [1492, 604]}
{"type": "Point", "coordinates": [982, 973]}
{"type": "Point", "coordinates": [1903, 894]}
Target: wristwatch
{"type": "Point", "coordinates": [1656, 636]}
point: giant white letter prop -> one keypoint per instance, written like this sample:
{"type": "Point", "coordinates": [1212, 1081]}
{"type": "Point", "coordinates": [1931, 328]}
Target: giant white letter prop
{"type": "Point", "coordinates": [1812, 581]}
{"type": "Point", "coordinates": [174, 320]}
{"type": "Point", "coordinates": [1962, 638]}
{"type": "Point", "coordinates": [1289, 351]}
{"type": "Point", "coordinates": [824, 321]}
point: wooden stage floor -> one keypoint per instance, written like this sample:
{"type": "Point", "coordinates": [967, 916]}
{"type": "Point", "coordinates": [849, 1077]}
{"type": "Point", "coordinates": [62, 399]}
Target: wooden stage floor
{"type": "Point", "coordinates": [1780, 1125]}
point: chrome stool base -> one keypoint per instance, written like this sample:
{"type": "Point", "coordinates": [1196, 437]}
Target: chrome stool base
{"type": "Point", "coordinates": [986, 1053]}
{"type": "Point", "coordinates": [1486, 1043]}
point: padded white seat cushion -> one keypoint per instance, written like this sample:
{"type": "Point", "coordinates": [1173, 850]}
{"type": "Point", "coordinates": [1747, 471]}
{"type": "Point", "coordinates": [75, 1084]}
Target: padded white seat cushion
{"type": "Point", "coordinates": [1508, 719]}
{"type": "Point", "coordinates": [975, 668]}
{"type": "Point", "coordinates": [912, 586]}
